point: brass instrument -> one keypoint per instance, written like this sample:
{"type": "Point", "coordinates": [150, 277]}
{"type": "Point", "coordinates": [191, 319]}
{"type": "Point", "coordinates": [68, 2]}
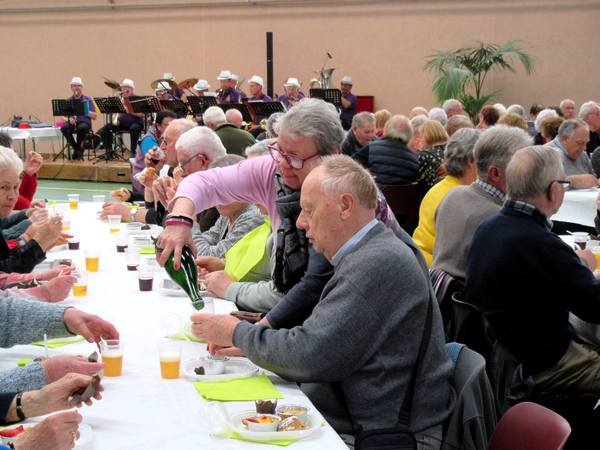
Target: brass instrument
{"type": "Point", "coordinates": [263, 124]}
{"type": "Point", "coordinates": [324, 80]}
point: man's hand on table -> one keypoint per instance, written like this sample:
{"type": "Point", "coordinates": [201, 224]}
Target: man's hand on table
{"type": "Point", "coordinates": [214, 349]}
{"type": "Point", "coordinates": [214, 328]}
{"type": "Point", "coordinates": [218, 282]}
{"type": "Point", "coordinates": [588, 256]}
{"type": "Point", "coordinates": [91, 327]}
{"type": "Point", "coordinates": [116, 209]}
{"type": "Point", "coordinates": [583, 181]}
{"type": "Point", "coordinates": [59, 366]}
{"type": "Point", "coordinates": [58, 432]}
{"type": "Point", "coordinates": [59, 287]}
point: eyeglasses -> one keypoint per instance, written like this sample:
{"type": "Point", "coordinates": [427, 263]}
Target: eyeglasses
{"type": "Point", "coordinates": [295, 162]}
{"type": "Point", "coordinates": [182, 166]}
{"type": "Point", "coordinates": [565, 183]}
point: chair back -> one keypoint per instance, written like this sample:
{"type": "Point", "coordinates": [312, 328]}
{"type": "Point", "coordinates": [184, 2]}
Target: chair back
{"type": "Point", "coordinates": [529, 426]}
{"type": "Point", "coordinates": [404, 201]}
{"type": "Point", "coordinates": [469, 326]}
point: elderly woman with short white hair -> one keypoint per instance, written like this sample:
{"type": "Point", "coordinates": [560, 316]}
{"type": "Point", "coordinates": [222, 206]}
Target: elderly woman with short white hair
{"type": "Point", "coordinates": [39, 236]}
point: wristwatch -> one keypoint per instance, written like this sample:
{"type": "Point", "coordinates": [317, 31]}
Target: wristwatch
{"type": "Point", "coordinates": [133, 211]}
{"type": "Point", "coordinates": [21, 241]}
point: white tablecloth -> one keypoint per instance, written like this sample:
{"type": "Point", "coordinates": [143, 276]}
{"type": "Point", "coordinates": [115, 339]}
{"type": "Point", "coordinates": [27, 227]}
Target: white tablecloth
{"type": "Point", "coordinates": [140, 410]}
{"type": "Point", "coordinates": [579, 206]}
{"type": "Point", "coordinates": [34, 135]}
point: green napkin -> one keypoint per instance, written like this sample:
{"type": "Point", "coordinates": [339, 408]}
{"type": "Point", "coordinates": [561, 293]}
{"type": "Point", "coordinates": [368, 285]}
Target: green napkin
{"type": "Point", "coordinates": [55, 343]}
{"type": "Point", "coordinates": [238, 390]}
{"type": "Point", "coordinates": [182, 338]}
{"type": "Point", "coordinates": [280, 442]}
{"type": "Point", "coordinates": [148, 251]}
{"type": "Point", "coordinates": [23, 361]}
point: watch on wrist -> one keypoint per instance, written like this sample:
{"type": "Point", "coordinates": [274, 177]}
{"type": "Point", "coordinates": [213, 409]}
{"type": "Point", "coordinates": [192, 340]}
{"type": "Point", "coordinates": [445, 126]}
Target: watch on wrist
{"type": "Point", "coordinates": [21, 241]}
{"type": "Point", "coordinates": [133, 211]}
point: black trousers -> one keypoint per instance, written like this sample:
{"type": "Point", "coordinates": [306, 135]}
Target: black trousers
{"type": "Point", "coordinates": [81, 129]}
{"type": "Point", "coordinates": [134, 129]}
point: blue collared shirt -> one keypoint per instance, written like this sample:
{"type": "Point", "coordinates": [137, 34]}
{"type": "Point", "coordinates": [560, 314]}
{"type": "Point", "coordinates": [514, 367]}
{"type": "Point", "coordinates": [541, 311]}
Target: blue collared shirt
{"type": "Point", "coordinates": [349, 245]}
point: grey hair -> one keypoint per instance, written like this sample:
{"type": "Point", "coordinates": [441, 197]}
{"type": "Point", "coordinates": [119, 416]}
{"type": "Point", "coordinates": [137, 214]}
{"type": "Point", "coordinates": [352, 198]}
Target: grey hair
{"type": "Point", "coordinates": [201, 141]}
{"type": "Point", "coordinates": [585, 109]}
{"type": "Point", "coordinates": [457, 122]}
{"type": "Point", "coordinates": [449, 104]}
{"type": "Point", "coordinates": [438, 114]}
{"type": "Point", "coordinates": [271, 121]}
{"type": "Point", "coordinates": [459, 151]}
{"type": "Point", "coordinates": [181, 125]}
{"type": "Point", "coordinates": [496, 146]}
{"type": "Point", "coordinates": [261, 148]}
{"type": "Point", "coordinates": [544, 114]}
{"type": "Point", "coordinates": [516, 109]}
{"type": "Point", "coordinates": [417, 121]}
{"type": "Point", "coordinates": [227, 160]}
{"type": "Point", "coordinates": [360, 119]}
{"type": "Point", "coordinates": [313, 119]}
{"type": "Point", "coordinates": [10, 161]}
{"type": "Point", "coordinates": [233, 115]}
{"type": "Point", "coordinates": [531, 171]}
{"type": "Point", "coordinates": [398, 127]}
{"type": "Point", "coordinates": [569, 127]}
{"type": "Point", "coordinates": [342, 174]}
{"type": "Point", "coordinates": [501, 108]}
{"type": "Point", "coordinates": [214, 115]}
{"type": "Point", "coordinates": [566, 100]}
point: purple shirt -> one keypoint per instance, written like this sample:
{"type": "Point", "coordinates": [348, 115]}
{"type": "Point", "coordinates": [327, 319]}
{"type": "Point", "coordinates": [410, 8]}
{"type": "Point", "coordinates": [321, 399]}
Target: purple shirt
{"type": "Point", "coordinates": [90, 103]}
{"type": "Point", "coordinates": [284, 99]}
{"type": "Point", "coordinates": [348, 113]}
{"type": "Point", "coordinates": [228, 96]}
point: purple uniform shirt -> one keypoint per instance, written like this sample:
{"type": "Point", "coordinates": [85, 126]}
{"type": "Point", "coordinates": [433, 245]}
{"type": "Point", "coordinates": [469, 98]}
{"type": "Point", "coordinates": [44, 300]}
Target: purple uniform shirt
{"type": "Point", "coordinates": [348, 113]}
{"type": "Point", "coordinates": [228, 96]}
{"type": "Point", "coordinates": [91, 105]}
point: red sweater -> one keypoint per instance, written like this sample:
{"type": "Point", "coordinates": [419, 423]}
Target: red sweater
{"type": "Point", "coordinates": [26, 191]}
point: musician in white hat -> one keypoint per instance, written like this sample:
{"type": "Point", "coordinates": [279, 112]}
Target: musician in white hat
{"type": "Point", "coordinates": [177, 92]}
{"type": "Point", "coordinates": [255, 85]}
{"type": "Point", "coordinates": [349, 100]}
{"type": "Point", "coordinates": [234, 84]}
{"type": "Point", "coordinates": [80, 125]}
{"type": "Point", "coordinates": [292, 94]}
{"type": "Point", "coordinates": [130, 121]}
{"type": "Point", "coordinates": [227, 94]}
{"type": "Point", "coordinates": [201, 87]}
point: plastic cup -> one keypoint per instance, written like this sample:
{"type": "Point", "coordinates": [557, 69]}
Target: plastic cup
{"type": "Point", "coordinates": [59, 209]}
{"type": "Point", "coordinates": [112, 355]}
{"type": "Point", "coordinates": [580, 238]}
{"type": "Point", "coordinates": [66, 221]}
{"type": "Point", "coordinates": [74, 241]}
{"type": "Point", "coordinates": [73, 201]}
{"type": "Point", "coordinates": [92, 259]}
{"type": "Point", "coordinates": [209, 306]}
{"type": "Point", "coordinates": [145, 277]}
{"type": "Point", "coordinates": [122, 240]}
{"type": "Point", "coordinates": [132, 257]}
{"type": "Point", "coordinates": [169, 355]}
{"type": "Point", "coordinates": [114, 223]}
{"type": "Point", "coordinates": [98, 198]}
{"type": "Point", "coordinates": [80, 286]}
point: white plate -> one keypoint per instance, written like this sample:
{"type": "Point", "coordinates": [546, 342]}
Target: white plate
{"type": "Point", "coordinates": [58, 248]}
{"type": "Point", "coordinates": [85, 432]}
{"type": "Point", "coordinates": [242, 430]}
{"type": "Point", "coordinates": [236, 368]}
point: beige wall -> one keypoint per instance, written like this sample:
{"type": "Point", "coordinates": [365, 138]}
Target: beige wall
{"type": "Point", "coordinates": [382, 45]}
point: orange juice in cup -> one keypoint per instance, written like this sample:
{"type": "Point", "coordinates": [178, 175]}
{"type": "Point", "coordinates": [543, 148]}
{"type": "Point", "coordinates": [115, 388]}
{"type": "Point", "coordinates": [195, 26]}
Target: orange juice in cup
{"type": "Point", "coordinates": [112, 356]}
{"type": "Point", "coordinates": [92, 259]}
{"type": "Point", "coordinates": [73, 201]}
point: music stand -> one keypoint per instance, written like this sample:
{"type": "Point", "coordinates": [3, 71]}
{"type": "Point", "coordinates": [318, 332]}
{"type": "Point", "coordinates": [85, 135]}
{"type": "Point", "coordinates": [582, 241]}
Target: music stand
{"type": "Point", "coordinates": [109, 106]}
{"type": "Point", "coordinates": [241, 107]}
{"type": "Point", "coordinates": [176, 105]}
{"type": "Point", "coordinates": [67, 108]}
{"type": "Point", "coordinates": [146, 105]}
{"type": "Point", "coordinates": [333, 96]}
{"type": "Point", "coordinates": [265, 109]}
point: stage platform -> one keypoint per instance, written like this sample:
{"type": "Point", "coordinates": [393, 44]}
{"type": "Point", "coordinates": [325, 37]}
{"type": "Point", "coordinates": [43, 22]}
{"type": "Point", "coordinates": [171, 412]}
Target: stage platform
{"type": "Point", "coordinates": [116, 171]}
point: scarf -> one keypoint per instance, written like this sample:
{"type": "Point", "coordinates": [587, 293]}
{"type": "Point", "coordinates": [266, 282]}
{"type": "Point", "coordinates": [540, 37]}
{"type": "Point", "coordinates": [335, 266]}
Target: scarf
{"type": "Point", "coordinates": [291, 256]}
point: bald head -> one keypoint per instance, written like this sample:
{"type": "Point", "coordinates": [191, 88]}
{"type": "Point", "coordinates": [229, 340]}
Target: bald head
{"type": "Point", "coordinates": [398, 127]}
{"type": "Point", "coordinates": [235, 117]}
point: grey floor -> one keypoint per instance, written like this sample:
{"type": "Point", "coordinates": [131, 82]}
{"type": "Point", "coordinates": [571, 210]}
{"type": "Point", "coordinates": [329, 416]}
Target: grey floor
{"type": "Point", "coordinates": [59, 189]}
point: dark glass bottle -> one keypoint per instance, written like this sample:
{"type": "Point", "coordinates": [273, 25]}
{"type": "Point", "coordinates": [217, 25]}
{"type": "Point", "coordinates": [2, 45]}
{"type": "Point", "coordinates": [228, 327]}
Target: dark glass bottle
{"type": "Point", "coordinates": [187, 276]}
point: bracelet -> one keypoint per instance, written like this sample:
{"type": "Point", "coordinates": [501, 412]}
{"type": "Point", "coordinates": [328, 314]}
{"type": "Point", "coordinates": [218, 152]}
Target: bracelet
{"type": "Point", "coordinates": [20, 407]}
{"type": "Point", "coordinates": [185, 217]}
{"type": "Point", "coordinates": [177, 222]}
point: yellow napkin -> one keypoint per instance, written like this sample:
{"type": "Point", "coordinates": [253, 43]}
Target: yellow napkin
{"type": "Point", "coordinates": [238, 390]}
{"type": "Point", "coordinates": [147, 252]}
{"type": "Point", "coordinates": [55, 343]}
{"type": "Point", "coordinates": [280, 442]}
{"type": "Point", "coordinates": [247, 252]}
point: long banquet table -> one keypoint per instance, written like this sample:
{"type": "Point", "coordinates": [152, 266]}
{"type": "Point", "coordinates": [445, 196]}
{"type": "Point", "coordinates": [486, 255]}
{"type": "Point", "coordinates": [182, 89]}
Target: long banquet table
{"type": "Point", "coordinates": [579, 206]}
{"type": "Point", "coordinates": [49, 134]}
{"type": "Point", "coordinates": [139, 409]}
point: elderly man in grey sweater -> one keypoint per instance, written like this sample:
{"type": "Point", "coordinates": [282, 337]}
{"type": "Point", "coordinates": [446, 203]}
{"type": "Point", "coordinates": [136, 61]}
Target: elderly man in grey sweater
{"type": "Point", "coordinates": [366, 330]}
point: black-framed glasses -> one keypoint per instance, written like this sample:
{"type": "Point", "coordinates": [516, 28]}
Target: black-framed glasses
{"type": "Point", "coordinates": [295, 162]}
{"type": "Point", "coordinates": [182, 166]}
{"type": "Point", "coordinates": [565, 183]}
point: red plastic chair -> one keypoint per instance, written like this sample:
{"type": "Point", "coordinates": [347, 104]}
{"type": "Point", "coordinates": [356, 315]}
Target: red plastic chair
{"type": "Point", "coordinates": [529, 426]}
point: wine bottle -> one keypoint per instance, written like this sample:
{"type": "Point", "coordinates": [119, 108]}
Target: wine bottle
{"type": "Point", "coordinates": [186, 276]}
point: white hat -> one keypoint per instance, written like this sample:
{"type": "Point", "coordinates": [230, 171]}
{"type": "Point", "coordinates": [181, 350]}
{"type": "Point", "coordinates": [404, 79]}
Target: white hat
{"type": "Point", "coordinates": [292, 82]}
{"type": "Point", "coordinates": [256, 79]}
{"type": "Point", "coordinates": [76, 80]}
{"type": "Point", "coordinates": [201, 85]}
{"type": "Point", "coordinates": [347, 80]}
{"type": "Point", "coordinates": [235, 77]}
{"type": "Point", "coordinates": [128, 82]}
{"type": "Point", "coordinates": [225, 75]}
{"type": "Point", "coordinates": [162, 86]}
{"type": "Point", "coordinates": [168, 76]}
